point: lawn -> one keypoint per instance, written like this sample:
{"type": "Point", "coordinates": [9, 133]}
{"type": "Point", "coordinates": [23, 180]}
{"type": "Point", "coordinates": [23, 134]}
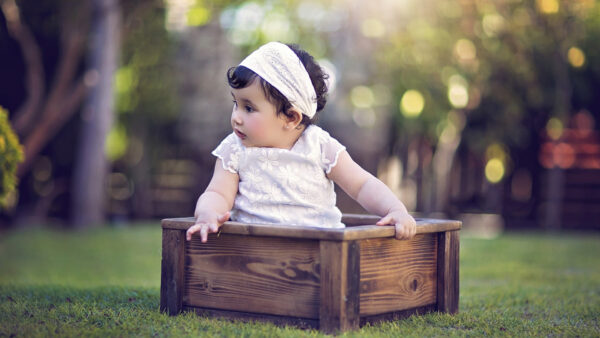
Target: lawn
{"type": "Point", "coordinates": [105, 282]}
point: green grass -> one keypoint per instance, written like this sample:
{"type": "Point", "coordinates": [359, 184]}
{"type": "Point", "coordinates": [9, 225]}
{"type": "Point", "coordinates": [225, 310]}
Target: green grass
{"type": "Point", "coordinates": [105, 282]}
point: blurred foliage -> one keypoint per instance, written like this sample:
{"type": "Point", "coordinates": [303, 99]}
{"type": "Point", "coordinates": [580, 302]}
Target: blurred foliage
{"type": "Point", "coordinates": [486, 73]}
{"type": "Point", "coordinates": [11, 154]}
{"type": "Point", "coordinates": [144, 84]}
{"type": "Point", "coordinates": [500, 62]}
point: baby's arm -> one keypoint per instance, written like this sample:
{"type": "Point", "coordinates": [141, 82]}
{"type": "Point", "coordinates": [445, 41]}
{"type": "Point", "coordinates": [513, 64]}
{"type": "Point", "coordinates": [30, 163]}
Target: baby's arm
{"type": "Point", "coordinates": [213, 206]}
{"type": "Point", "coordinates": [373, 195]}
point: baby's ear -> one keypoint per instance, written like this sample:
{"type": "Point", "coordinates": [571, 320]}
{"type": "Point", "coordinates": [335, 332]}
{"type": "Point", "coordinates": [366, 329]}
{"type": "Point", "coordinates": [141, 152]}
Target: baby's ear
{"type": "Point", "coordinates": [294, 118]}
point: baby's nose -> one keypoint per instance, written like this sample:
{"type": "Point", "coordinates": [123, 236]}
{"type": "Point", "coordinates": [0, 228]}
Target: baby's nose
{"type": "Point", "coordinates": [235, 117]}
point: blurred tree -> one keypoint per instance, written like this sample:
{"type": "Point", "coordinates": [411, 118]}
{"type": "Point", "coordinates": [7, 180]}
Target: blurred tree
{"type": "Point", "coordinates": [44, 112]}
{"type": "Point", "coordinates": [53, 37]}
{"type": "Point", "coordinates": [91, 166]}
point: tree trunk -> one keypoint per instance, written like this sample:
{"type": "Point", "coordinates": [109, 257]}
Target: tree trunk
{"type": "Point", "coordinates": [91, 165]}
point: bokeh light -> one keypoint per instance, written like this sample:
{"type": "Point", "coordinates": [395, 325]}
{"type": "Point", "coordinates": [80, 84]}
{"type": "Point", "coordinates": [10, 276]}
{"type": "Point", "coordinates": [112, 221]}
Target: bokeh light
{"type": "Point", "coordinates": [521, 185]}
{"type": "Point", "coordinates": [576, 57]}
{"type": "Point", "coordinates": [372, 28]}
{"type": "Point", "coordinates": [583, 122]}
{"type": "Point", "coordinates": [125, 79]}
{"type": "Point", "coordinates": [276, 27]}
{"type": "Point", "coordinates": [412, 103]}
{"type": "Point", "coordinates": [116, 142]}
{"type": "Point", "coordinates": [449, 133]}
{"type": "Point", "coordinates": [493, 24]}
{"type": "Point", "coordinates": [497, 159]}
{"type": "Point", "coordinates": [494, 170]}
{"type": "Point", "coordinates": [177, 14]}
{"type": "Point", "coordinates": [362, 97]}
{"type": "Point", "coordinates": [383, 95]}
{"type": "Point", "coordinates": [242, 23]}
{"type": "Point", "coordinates": [548, 6]}
{"type": "Point", "coordinates": [554, 128]}
{"type": "Point", "coordinates": [119, 186]}
{"type": "Point", "coordinates": [198, 16]}
{"type": "Point", "coordinates": [564, 155]}
{"type": "Point", "coordinates": [465, 50]}
{"type": "Point", "coordinates": [458, 92]}
{"type": "Point", "coordinates": [365, 118]}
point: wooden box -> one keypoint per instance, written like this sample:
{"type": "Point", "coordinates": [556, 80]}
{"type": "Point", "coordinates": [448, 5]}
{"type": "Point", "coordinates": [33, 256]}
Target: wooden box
{"type": "Point", "coordinates": [332, 279]}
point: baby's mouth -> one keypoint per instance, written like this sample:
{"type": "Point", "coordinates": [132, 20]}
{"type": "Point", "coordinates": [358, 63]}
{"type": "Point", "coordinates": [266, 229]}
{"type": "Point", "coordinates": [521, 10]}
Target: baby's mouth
{"type": "Point", "coordinates": [239, 134]}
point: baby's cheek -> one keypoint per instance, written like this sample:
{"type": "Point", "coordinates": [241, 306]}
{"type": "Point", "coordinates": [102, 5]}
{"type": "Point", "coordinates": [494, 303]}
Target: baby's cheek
{"type": "Point", "coordinates": [258, 128]}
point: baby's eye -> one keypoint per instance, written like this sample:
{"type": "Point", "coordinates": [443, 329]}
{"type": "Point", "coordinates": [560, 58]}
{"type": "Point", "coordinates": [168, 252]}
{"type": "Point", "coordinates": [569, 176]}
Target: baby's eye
{"type": "Point", "coordinates": [234, 102]}
{"type": "Point", "coordinates": [249, 109]}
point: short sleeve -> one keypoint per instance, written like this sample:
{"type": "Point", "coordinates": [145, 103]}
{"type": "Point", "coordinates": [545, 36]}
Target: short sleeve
{"type": "Point", "coordinates": [229, 151]}
{"type": "Point", "coordinates": [330, 151]}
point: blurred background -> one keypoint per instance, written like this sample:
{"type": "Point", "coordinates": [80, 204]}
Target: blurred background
{"type": "Point", "coordinates": [480, 110]}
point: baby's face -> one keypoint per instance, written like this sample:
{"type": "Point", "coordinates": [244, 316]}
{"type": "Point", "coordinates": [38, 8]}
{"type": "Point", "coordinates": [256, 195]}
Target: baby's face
{"type": "Point", "coordinates": [254, 118]}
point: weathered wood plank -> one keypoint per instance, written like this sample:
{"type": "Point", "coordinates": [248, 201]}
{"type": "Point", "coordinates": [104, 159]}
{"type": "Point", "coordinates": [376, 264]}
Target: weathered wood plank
{"type": "Point", "coordinates": [254, 274]}
{"type": "Point", "coordinates": [375, 231]}
{"type": "Point", "coordinates": [339, 309]}
{"type": "Point", "coordinates": [397, 275]}
{"type": "Point", "coordinates": [350, 233]}
{"type": "Point", "coordinates": [447, 272]}
{"type": "Point", "coordinates": [270, 230]}
{"type": "Point", "coordinates": [172, 266]}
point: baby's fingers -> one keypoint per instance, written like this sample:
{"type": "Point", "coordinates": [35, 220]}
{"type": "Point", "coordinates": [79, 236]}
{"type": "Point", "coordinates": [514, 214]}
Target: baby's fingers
{"type": "Point", "coordinates": [385, 221]}
{"type": "Point", "coordinates": [223, 218]}
{"type": "Point", "coordinates": [406, 230]}
{"type": "Point", "coordinates": [192, 230]}
{"type": "Point", "coordinates": [206, 228]}
{"type": "Point", "coordinates": [402, 232]}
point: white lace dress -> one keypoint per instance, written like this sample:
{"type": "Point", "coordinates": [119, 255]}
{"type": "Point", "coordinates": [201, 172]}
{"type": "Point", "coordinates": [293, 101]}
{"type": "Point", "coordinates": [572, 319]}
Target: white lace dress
{"type": "Point", "coordinates": [281, 186]}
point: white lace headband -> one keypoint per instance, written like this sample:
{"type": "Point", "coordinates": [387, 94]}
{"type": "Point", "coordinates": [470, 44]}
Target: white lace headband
{"type": "Point", "coordinates": [277, 64]}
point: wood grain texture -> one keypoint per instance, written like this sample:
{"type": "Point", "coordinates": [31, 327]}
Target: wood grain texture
{"type": "Point", "coordinates": [397, 275]}
{"type": "Point", "coordinates": [447, 271]}
{"type": "Point", "coordinates": [339, 309]}
{"type": "Point", "coordinates": [172, 267]}
{"type": "Point", "coordinates": [267, 275]}
{"type": "Point", "coordinates": [359, 227]}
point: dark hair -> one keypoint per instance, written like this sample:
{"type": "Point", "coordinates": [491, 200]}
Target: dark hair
{"type": "Point", "coordinates": [241, 77]}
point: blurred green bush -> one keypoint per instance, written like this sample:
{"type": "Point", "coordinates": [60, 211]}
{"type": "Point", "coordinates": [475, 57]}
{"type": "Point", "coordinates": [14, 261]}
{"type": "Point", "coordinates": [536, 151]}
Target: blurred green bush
{"type": "Point", "coordinates": [11, 154]}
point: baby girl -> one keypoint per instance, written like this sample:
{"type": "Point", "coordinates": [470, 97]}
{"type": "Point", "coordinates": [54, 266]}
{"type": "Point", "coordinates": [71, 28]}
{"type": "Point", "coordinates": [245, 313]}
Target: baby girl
{"type": "Point", "coordinates": [277, 166]}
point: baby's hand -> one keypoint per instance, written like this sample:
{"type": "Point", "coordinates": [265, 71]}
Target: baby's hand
{"type": "Point", "coordinates": [206, 224]}
{"type": "Point", "coordinates": [405, 224]}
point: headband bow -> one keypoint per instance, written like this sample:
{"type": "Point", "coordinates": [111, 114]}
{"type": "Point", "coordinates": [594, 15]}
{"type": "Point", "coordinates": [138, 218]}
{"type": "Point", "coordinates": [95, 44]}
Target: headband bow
{"type": "Point", "coordinates": [277, 64]}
